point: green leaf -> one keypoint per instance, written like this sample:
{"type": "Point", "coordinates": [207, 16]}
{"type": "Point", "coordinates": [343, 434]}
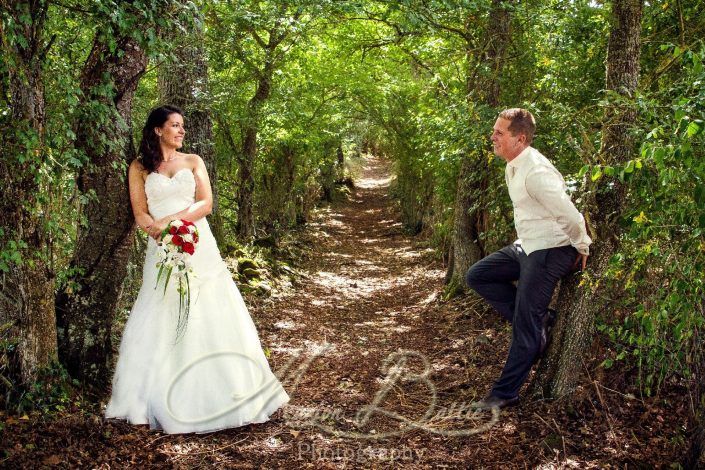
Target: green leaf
{"type": "Point", "coordinates": [697, 64]}
{"type": "Point", "coordinates": [596, 173]}
{"type": "Point", "coordinates": [583, 171]}
{"type": "Point", "coordinates": [659, 155]}
{"type": "Point", "coordinates": [693, 129]}
{"type": "Point", "coordinates": [700, 195]}
{"type": "Point", "coordinates": [168, 276]}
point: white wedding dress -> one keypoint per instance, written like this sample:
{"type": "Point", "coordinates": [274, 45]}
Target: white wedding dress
{"type": "Point", "coordinates": [215, 374]}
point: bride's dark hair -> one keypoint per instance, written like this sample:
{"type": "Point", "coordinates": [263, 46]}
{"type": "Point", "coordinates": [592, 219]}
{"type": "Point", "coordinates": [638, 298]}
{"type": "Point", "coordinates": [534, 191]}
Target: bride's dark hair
{"type": "Point", "coordinates": [150, 150]}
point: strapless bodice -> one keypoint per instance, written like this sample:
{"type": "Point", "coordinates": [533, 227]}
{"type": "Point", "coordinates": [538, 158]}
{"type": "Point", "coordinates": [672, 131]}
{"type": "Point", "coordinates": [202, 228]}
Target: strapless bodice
{"type": "Point", "coordinates": [169, 195]}
{"type": "Point", "coordinates": [166, 196]}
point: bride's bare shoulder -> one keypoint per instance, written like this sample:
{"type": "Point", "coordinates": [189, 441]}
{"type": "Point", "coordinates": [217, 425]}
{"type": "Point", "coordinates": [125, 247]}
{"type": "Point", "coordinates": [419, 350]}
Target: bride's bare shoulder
{"type": "Point", "coordinates": [137, 165]}
{"type": "Point", "coordinates": [137, 168]}
{"type": "Point", "coordinates": [191, 157]}
{"type": "Point", "coordinates": [194, 161]}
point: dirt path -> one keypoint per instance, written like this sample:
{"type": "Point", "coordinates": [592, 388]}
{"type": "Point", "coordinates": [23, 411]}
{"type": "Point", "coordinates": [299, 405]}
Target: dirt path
{"type": "Point", "coordinates": [380, 373]}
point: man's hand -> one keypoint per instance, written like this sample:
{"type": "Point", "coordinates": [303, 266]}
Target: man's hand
{"type": "Point", "coordinates": [580, 262]}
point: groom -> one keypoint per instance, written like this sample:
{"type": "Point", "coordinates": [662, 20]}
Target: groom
{"type": "Point", "coordinates": [552, 242]}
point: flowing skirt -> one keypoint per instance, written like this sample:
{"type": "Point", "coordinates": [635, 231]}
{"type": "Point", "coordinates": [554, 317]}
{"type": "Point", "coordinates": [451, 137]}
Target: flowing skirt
{"type": "Point", "coordinates": [214, 375]}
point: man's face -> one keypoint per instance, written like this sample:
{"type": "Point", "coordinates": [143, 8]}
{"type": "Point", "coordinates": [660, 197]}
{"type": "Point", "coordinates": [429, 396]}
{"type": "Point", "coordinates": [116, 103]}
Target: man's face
{"type": "Point", "coordinates": [506, 145]}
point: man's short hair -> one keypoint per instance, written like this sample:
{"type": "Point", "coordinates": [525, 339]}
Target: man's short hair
{"type": "Point", "coordinates": [521, 121]}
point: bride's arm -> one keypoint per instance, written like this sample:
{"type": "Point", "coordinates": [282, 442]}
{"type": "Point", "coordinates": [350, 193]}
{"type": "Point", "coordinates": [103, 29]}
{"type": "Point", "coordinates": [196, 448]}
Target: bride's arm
{"type": "Point", "coordinates": [138, 198]}
{"type": "Point", "coordinates": [199, 209]}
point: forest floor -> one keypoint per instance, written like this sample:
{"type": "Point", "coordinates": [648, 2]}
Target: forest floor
{"type": "Point", "coordinates": [380, 371]}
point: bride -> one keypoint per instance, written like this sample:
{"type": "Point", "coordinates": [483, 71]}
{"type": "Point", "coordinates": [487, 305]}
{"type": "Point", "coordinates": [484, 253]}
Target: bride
{"type": "Point", "coordinates": [213, 375]}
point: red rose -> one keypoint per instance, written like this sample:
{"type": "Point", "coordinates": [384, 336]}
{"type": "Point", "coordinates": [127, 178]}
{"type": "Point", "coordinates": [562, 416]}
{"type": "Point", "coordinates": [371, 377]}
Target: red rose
{"type": "Point", "coordinates": [177, 240]}
{"type": "Point", "coordinates": [182, 230]}
{"type": "Point", "coordinates": [195, 238]}
{"type": "Point", "coordinates": [172, 230]}
{"type": "Point", "coordinates": [188, 248]}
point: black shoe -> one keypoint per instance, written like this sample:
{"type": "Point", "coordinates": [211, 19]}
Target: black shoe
{"type": "Point", "coordinates": [547, 323]}
{"type": "Point", "coordinates": [491, 401]}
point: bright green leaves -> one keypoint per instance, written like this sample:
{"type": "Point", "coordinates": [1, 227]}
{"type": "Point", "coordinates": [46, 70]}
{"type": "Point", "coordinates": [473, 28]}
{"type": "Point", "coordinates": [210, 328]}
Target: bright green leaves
{"type": "Point", "coordinates": [658, 275]}
{"type": "Point", "coordinates": [11, 253]}
{"type": "Point", "coordinates": [596, 172]}
{"type": "Point", "coordinates": [652, 325]}
{"type": "Point", "coordinates": [700, 195]}
{"type": "Point", "coordinates": [641, 219]}
{"type": "Point", "coordinates": [583, 171]}
{"type": "Point", "coordinates": [140, 20]}
{"type": "Point", "coordinates": [694, 128]}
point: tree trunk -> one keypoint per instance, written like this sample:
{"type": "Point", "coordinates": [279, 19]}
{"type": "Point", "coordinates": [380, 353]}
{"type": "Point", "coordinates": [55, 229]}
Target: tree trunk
{"type": "Point", "coordinates": [339, 165]}
{"type": "Point", "coordinates": [184, 83]}
{"type": "Point", "coordinates": [467, 247]}
{"type": "Point", "coordinates": [695, 457]}
{"type": "Point", "coordinates": [470, 218]}
{"type": "Point", "coordinates": [340, 158]}
{"type": "Point", "coordinates": [87, 304]}
{"type": "Point", "coordinates": [252, 121]}
{"type": "Point", "coordinates": [246, 160]}
{"type": "Point", "coordinates": [577, 304]}
{"type": "Point", "coordinates": [26, 284]}
{"type": "Point", "coordinates": [289, 205]}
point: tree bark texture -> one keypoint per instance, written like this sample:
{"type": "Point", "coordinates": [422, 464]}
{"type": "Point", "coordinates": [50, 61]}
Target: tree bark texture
{"type": "Point", "coordinates": [87, 304]}
{"type": "Point", "coordinates": [578, 300]}
{"type": "Point", "coordinates": [184, 83]}
{"type": "Point", "coordinates": [26, 286]}
{"type": "Point", "coordinates": [248, 154]}
{"type": "Point", "coordinates": [470, 218]}
{"type": "Point", "coordinates": [273, 55]}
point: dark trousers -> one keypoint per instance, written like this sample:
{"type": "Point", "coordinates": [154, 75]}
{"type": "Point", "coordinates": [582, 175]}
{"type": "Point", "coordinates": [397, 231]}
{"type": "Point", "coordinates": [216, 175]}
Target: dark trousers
{"type": "Point", "coordinates": [524, 305]}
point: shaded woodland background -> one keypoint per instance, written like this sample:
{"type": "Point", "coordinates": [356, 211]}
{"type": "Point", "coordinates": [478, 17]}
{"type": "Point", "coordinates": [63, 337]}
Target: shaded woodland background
{"type": "Point", "coordinates": [281, 96]}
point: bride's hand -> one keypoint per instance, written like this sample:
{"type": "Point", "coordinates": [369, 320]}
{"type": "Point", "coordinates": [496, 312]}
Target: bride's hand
{"type": "Point", "coordinates": [155, 230]}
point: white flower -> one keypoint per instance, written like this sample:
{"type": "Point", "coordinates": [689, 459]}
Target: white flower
{"type": "Point", "coordinates": [176, 223]}
{"type": "Point", "coordinates": [178, 274]}
{"type": "Point", "coordinates": [187, 237]}
{"type": "Point", "coordinates": [162, 252]}
{"type": "Point", "coordinates": [167, 239]}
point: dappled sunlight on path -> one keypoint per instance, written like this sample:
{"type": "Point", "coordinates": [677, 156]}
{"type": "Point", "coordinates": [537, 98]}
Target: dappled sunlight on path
{"type": "Point", "coordinates": [363, 254]}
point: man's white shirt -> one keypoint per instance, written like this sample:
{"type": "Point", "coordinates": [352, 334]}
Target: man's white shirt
{"type": "Point", "coordinates": [544, 215]}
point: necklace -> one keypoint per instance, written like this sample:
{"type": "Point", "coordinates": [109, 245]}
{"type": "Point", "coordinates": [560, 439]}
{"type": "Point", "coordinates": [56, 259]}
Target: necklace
{"type": "Point", "coordinates": [170, 158]}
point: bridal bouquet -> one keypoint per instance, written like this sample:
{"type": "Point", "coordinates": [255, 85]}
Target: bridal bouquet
{"type": "Point", "coordinates": [177, 244]}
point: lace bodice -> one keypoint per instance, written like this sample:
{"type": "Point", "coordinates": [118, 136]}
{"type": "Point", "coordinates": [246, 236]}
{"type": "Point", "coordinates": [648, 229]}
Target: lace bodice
{"type": "Point", "coordinates": [166, 196]}
{"type": "Point", "coordinates": [169, 195]}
